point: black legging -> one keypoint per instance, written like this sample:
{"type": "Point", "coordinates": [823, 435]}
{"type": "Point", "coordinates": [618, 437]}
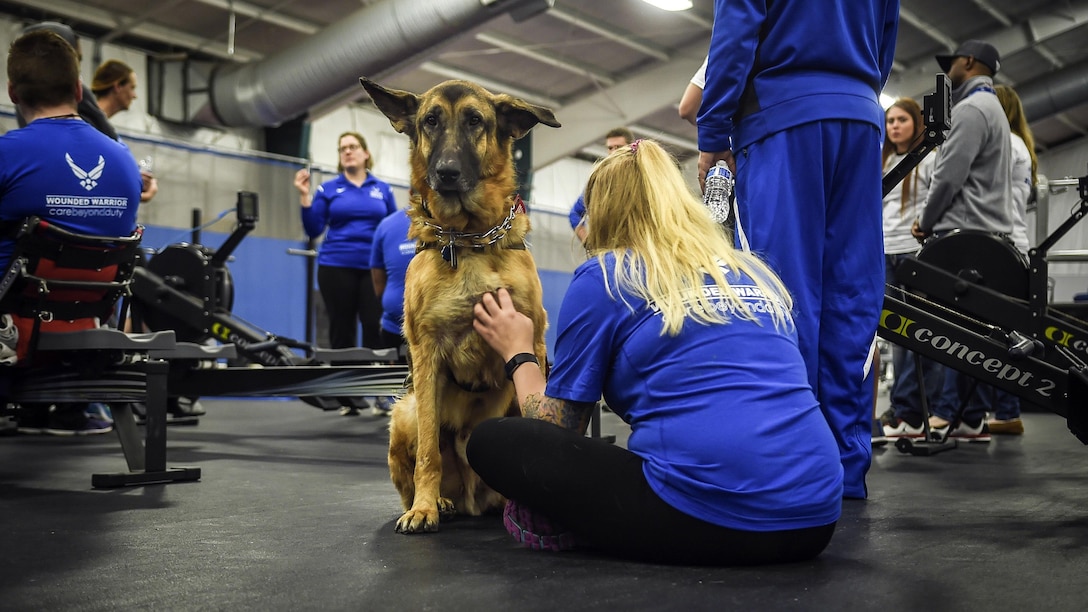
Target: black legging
{"type": "Point", "coordinates": [597, 490]}
{"type": "Point", "coordinates": [350, 300]}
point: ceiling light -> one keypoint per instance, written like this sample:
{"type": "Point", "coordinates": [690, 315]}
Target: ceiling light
{"type": "Point", "coordinates": [670, 5]}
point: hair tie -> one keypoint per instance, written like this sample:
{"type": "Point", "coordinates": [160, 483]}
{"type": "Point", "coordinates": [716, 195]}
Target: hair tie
{"type": "Point", "coordinates": [634, 146]}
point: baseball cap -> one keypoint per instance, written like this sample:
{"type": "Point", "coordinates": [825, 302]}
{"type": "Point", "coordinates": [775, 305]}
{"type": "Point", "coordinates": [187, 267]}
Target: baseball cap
{"type": "Point", "coordinates": [980, 50]}
{"type": "Point", "coordinates": [59, 29]}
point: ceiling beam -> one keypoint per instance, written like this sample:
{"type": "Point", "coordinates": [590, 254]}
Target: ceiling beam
{"type": "Point", "coordinates": [994, 12]}
{"type": "Point", "coordinates": [588, 119]}
{"type": "Point", "coordinates": [80, 12]}
{"type": "Point", "coordinates": [624, 38]}
{"type": "Point", "coordinates": [118, 32]}
{"type": "Point", "coordinates": [706, 23]}
{"type": "Point", "coordinates": [926, 28]}
{"type": "Point", "coordinates": [263, 14]}
{"type": "Point", "coordinates": [519, 48]}
{"type": "Point", "coordinates": [665, 137]}
{"type": "Point", "coordinates": [487, 83]}
{"type": "Point", "coordinates": [1042, 26]}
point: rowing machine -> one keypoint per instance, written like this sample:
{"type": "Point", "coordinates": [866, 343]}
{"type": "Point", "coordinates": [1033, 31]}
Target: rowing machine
{"type": "Point", "coordinates": [976, 305]}
{"type": "Point", "coordinates": [188, 288]}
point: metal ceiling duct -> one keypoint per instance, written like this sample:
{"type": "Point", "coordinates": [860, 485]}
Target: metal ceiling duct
{"type": "Point", "coordinates": [1055, 93]}
{"type": "Point", "coordinates": [283, 86]}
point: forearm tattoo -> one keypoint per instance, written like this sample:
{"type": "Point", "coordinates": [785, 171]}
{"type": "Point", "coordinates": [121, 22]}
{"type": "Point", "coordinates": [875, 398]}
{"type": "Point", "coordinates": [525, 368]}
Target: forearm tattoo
{"type": "Point", "coordinates": [569, 415]}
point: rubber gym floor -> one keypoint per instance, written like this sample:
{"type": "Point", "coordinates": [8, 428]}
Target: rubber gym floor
{"type": "Point", "coordinates": [295, 511]}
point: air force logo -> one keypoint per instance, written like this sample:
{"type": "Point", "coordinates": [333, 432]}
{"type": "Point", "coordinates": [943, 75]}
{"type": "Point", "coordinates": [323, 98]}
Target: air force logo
{"type": "Point", "coordinates": [87, 178]}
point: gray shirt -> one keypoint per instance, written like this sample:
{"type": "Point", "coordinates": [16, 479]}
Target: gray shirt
{"type": "Point", "coordinates": [971, 185]}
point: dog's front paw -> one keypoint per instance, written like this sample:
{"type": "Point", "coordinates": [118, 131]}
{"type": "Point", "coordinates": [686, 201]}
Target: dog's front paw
{"type": "Point", "coordinates": [418, 521]}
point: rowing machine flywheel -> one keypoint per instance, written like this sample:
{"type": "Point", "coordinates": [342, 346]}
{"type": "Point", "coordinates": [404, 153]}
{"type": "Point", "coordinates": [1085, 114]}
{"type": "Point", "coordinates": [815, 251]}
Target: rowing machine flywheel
{"type": "Point", "coordinates": [982, 258]}
{"type": "Point", "coordinates": [184, 267]}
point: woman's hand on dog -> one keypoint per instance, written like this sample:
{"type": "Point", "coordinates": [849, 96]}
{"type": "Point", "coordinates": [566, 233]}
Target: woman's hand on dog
{"type": "Point", "coordinates": [501, 325]}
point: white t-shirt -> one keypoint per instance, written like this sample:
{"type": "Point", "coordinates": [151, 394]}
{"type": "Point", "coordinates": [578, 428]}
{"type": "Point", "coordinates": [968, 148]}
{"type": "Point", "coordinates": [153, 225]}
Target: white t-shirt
{"type": "Point", "coordinates": [699, 78]}
{"type": "Point", "coordinates": [1021, 191]}
{"type": "Point", "coordinates": [899, 216]}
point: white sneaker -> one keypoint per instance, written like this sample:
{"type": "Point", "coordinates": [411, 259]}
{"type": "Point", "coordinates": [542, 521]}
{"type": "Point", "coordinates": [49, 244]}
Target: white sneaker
{"type": "Point", "coordinates": [962, 431]}
{"type": "Point", "coordinates": [902, 429]}
{"type": "Point", "coordinates": [9, 340]}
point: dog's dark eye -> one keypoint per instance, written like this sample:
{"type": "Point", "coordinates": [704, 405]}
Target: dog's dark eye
{"type": "Point", "coordinates": [475, 120]}
{"type": "Point", "coordinates": [430, 120]}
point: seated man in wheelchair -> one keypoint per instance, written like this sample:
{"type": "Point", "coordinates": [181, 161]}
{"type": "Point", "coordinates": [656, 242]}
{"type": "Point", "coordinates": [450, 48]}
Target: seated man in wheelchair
{"type": "Point", "coordinates": [67, 173]}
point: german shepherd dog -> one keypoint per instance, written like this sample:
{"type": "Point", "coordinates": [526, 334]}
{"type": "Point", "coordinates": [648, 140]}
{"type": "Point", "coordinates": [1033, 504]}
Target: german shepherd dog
{"type": "Point", "coordinates": [470, 230]}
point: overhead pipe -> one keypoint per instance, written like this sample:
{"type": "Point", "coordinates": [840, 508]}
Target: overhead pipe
{"type": "Point", "coordinates": [284, 85]}
{"type": "Point", "coordinates": [1055, 93]}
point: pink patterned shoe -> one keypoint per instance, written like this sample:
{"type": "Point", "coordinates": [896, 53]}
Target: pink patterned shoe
{"type": "Point", "coordinates": [535, 531]}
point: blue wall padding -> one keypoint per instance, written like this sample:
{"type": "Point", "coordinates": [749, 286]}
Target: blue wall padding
{"type": "Point", "coordinates": [555, 287]}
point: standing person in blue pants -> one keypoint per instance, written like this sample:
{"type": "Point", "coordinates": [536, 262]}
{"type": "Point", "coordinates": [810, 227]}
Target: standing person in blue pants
{"type": "Point", "coordinates": [791, 103]}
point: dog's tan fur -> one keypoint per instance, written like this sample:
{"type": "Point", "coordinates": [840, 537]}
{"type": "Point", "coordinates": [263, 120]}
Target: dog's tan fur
{"type": "Point", "coordinates": [463, 181]}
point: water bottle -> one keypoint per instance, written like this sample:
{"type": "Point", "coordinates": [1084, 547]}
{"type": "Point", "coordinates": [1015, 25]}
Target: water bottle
{"type": "Point", "coordinates": [719, 190]}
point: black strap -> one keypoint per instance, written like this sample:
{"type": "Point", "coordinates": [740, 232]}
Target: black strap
{"type": "Point", "coordinates": [517, 360]}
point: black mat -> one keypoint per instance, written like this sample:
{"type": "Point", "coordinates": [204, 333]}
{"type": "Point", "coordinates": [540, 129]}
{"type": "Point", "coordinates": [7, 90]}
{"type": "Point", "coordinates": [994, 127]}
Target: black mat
{"type": "Point", "coordinates": [295, 512]}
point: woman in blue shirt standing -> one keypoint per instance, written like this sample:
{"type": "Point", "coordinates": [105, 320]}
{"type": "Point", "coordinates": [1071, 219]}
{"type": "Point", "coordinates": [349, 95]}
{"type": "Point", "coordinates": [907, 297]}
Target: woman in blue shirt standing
{"type": "Point", "coordinates": [347, 210]}
{"type": "Point", "coordinates": [692, 343]}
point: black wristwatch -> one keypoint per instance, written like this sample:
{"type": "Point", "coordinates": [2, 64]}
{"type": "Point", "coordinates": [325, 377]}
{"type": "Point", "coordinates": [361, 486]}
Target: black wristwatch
{"type": "Point", "coordinates": [517, 360]}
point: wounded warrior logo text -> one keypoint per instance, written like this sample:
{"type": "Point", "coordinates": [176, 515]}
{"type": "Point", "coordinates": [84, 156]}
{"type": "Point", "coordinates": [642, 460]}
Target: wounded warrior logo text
{"type": "Point", "coordinates": [82, 206]}
{"type": "Point", "coordinates": [751, 295]}
{"type": "Point", "coordinates": [87, 178]}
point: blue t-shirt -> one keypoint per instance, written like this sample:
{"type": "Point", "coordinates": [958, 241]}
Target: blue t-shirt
{"type": "Point", "coordinates": [68, 172]}
{"type": "Point", "coordinates": [351, 215]}
{"type": "Point", "coordinates": [723, 415]}
{"type": "Point", "coordinates": [392, 251]}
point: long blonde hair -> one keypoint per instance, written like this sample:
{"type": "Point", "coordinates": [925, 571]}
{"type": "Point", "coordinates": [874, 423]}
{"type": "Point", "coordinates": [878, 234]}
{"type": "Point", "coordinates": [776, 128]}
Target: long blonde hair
{"type": "Point", "coordinates": [1018, 123]}
{"type": "Point", "coordinates": [665, 243]}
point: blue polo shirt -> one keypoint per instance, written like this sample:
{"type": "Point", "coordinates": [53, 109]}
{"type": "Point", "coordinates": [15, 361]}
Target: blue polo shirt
{"type": "Point", "coordinates": [392, 251]}
{"type": "Point", "coordinates": [348, 215]}
{"type": "Point", "coordinates": [723, 415]}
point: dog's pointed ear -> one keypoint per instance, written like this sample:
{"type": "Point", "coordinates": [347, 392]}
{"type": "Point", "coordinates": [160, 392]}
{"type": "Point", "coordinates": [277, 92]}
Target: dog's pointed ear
{"type": "Point", "coordinates": [517, 117]}
{"type": "Point", "coordinates": [398, 106]}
